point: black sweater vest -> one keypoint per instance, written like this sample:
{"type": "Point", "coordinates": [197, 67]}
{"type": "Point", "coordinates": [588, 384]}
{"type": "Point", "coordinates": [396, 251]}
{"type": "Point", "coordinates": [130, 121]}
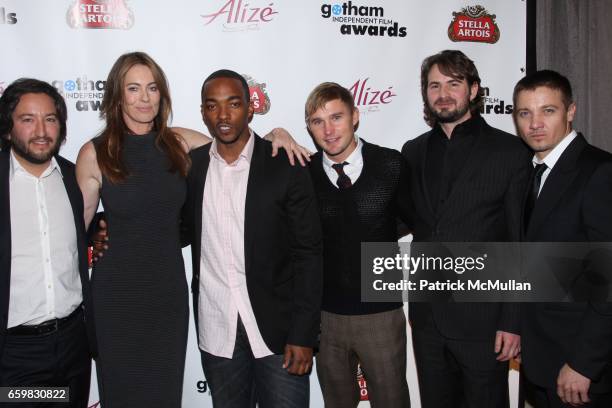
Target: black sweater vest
{"type": "Point", "coordinates": [365, 212]}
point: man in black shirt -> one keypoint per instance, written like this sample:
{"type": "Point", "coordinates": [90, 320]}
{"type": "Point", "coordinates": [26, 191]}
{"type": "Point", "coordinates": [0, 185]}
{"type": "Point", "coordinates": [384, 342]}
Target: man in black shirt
{"type": "Point", "coordinates": [466, 182]}
{"type": "Point", "coordinates": [361, 188]}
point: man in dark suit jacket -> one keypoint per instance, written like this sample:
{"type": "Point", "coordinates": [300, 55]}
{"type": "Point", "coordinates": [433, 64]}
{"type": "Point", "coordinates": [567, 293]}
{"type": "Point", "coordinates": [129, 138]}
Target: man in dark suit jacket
{"type": "Point", "coordinates": [567, 347]}
{"type": "Point", "coordinates": [44, 281]}
{"type": "Point", "coordinates": [256, 251]}
{"type": "Point", "coordinates": [467, 179]}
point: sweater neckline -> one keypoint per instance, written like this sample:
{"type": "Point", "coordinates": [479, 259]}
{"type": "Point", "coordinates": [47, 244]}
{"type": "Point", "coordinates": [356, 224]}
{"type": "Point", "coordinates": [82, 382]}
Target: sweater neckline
{"type": "Point", "coordinates": [363, 169]}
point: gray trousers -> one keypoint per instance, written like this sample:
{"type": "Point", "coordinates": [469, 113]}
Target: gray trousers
{"type": "Point", "coordinates": [376, 341]}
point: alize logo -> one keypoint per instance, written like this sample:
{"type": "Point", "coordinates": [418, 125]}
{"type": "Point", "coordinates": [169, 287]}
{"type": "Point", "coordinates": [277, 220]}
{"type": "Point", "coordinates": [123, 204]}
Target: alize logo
{"type": "Point", "coordinates": [369, 99]}
{"type": "Point", "coordinates": [240, 16]}
{"type": "Point", "coordinates": [259, 97]}
{"type": "Point", "coordinates": [113, 14]}
{"type": "Point", "coordinates": [473, 24]}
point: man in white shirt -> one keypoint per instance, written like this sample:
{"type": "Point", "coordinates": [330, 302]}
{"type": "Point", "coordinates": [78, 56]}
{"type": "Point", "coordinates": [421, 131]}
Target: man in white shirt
{"type": "Point", "coordinates": [43, 254]}
{"type": "Point", "coordinates": [256, 253]}
{"type": "Point", "coordinates": [567, 347]}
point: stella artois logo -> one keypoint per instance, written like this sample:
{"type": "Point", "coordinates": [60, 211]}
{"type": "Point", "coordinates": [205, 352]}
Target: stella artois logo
{"type": "Point", "coordinates": [475, 24]}
{"type": "Point", "coordinates": [114, 14]}
{"type": "Point", "coordinates": [259, 97]}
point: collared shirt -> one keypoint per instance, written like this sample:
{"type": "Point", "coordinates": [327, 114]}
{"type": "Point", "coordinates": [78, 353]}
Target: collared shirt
{"type": "Point", "coordinates": [223, 286]}
{"type": "Point", "coordinates": [45, 281]}
{"type": "Point", "coordinates": [553, 156]}
{"type": "Point", "coordinates": [352, 169]}
{"type": "Point", "coordinates": [446, 158]}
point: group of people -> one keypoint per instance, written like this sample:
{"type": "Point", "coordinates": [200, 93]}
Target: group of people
{"type": "Point", "coordinates": [276, 247]}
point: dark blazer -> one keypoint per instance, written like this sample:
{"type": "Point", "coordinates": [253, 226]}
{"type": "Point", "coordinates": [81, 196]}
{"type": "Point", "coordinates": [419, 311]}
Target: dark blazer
{"type": "Point", "coordinates": [76, 202]}
{"type": "Point", "coordinates": [282, 245]}
{"type": "Point", "coordinates": [483, 206]}
{"type": "Point", "coordinates": [574, 205]}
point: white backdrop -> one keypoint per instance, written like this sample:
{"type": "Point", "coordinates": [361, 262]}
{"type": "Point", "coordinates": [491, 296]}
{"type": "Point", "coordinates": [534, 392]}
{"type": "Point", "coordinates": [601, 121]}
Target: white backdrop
{"type": "Point", "coordinates": [286, 47]}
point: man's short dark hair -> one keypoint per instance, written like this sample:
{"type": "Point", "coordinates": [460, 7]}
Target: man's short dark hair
{"type": "Point", "coordinates": [11, 97]}
{"type": "Point", "coordinates": [228, 73]}
{"type": "Point", "coordinates": [457, 65]}
{"type": "Point", "coordinates": [549, 79]}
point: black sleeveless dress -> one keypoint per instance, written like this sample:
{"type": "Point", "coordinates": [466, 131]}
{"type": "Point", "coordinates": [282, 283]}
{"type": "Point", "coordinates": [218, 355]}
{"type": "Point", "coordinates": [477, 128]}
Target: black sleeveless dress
{"type": "Point", "coordinates": [139, 287]}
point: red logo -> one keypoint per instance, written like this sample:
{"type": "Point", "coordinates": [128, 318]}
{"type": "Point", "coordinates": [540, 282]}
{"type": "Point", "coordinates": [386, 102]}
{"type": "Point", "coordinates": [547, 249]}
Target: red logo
{"type": "Point", "coordinates": [362, 383]}
{"type": "Point", "coordinates": [368, 98]}
{"type": "Point", "coordinates": [474, 24]}
{"type": "Point", "coordinates": [90, 257]}
{"type": "Point", "coordinates": [114, 14]}
{"type": "Point", "coordinates": [239, 15]}
{"type": "Point", "coordinates": [259, 96]}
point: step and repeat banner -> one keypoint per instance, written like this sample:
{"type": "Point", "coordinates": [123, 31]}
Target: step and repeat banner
{"type": "Point", "coordinates": [284, 48]}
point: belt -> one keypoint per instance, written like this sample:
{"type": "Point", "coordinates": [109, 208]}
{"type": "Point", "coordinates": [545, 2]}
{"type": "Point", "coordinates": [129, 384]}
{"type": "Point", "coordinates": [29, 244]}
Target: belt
{"type": "Point", "coordinates": [47, 327]}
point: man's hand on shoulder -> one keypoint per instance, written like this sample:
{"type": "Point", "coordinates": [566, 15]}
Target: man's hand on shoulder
{"type": "Point", "coordinates": [280, 138]}
{"type": "Point", "coordinates": [572, 387]}
{"type": "Point", "coordinates": [297, 359]}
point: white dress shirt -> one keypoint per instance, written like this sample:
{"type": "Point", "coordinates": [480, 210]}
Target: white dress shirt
{"type": "Point", "coordinates": [553, 156]}
{"type": "Point", "coordinates": [223, 287]}
{"type": "Point", "coordinates": [352, 169]}
{"type": "Point", "coordinates": [45, 281]}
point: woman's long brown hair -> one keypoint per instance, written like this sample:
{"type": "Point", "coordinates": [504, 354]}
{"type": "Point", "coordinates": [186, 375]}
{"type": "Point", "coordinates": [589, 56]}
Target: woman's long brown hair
{"type": "Point", "coordinates": [109, 150]}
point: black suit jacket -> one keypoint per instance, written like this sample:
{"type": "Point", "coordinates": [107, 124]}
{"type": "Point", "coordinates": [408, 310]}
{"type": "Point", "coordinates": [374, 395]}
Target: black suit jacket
{"type": "Point", "coordinates": [574, 205]}
{"type": "Point", "coordinates": [282, 245]}
{"type": "Point", "coordinates": [483, 206]}
{"type": "Point", "coordinates": [76, 203]}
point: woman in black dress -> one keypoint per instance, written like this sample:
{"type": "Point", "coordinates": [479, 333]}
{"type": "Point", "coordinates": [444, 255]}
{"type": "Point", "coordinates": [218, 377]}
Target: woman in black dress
{"type": "Point", "coordinates": [137, 167]}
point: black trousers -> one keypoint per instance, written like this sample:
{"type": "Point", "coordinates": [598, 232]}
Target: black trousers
{"type": "Point", "coordinates": [458, 373]}
{"type": "Point", "coordinates": [58, 359]}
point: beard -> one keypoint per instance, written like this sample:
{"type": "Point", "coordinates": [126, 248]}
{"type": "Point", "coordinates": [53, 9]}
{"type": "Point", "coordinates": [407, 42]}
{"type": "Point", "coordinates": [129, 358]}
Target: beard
{"type": "Point", "coordinates": [448, 115]}
{"type": "Point", "coordinates": [21, 149]}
